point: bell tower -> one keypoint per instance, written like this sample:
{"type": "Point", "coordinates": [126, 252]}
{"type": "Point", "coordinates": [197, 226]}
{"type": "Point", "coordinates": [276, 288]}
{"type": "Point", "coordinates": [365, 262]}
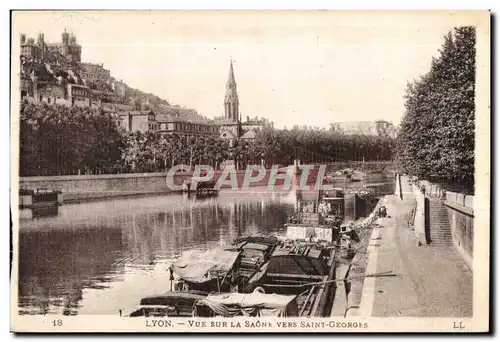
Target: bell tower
{"type": "Point", "coordinates": [65, 43]}
{"type": "Point", "coordinates": [231, 102]}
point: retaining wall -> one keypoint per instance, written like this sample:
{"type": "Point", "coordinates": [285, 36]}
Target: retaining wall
{"type": "Point", "coordinates": [460, 210]}
{"type": "Point", "coordinates": [91, 187]}
{"type": "Point", "coordinates": [461, 217]}
{"type": "Point", "coordinates": [100, 186]}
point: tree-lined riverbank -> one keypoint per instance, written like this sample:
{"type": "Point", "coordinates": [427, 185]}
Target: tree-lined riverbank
{"type": "Point", "coordinates": [57, 140]}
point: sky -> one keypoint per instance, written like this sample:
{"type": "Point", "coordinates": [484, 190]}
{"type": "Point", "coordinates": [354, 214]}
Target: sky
{"type": "Point", "coordinates": [294, 68]}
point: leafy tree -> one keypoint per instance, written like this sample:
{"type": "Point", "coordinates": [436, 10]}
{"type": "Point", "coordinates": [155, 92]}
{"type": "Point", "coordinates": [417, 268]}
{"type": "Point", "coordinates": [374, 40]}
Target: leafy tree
{"type": "Point", "coordinates": [59, 140]}
{"type": "Point", "coordinates": [436, 138]}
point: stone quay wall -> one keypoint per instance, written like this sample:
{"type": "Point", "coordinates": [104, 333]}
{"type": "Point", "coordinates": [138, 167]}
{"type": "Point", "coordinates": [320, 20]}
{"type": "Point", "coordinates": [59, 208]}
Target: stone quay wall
{"type": "Point", "coordinates": [461, 216]}
{"type": "Point", "coordinates": [460, 213]}
{"type": "Point", "coordinates": [96, 187]}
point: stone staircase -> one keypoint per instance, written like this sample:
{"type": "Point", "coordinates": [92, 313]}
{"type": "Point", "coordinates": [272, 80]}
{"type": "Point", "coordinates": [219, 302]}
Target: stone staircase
{"type": "Point", "coordinates": [438, 223]}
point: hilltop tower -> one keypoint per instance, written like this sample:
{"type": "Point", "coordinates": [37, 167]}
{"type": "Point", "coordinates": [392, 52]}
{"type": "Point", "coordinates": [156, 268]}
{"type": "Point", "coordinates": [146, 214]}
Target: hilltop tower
{"type": "Point", "coordinates": [42, 48]}
{"type": "Point", "coordinates": [65, 43]}
{"type": "Point", "coordinates": [41, 40]}
{"type": "Point", "coordinates": [72, 39]}
{"type": "Point", "coordinates": [231, 102]}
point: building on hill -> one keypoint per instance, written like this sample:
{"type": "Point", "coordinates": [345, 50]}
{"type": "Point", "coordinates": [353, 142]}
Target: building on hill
{"type": "Point", "coordinates": [173, 119]}
{"type": "Point", "coordinates": [53, 73]}
{"type": "Point", "coordinates": [48, 92]}
{"type": "Point", "coordinates": [31, 50]}
{"type": "Point", "coordinates": [373, 128]}
{"type": "Point", "coordinates": [68, 95]}
{"type": "Point", "coordinates": [55, 65]}
{"type": "Point", "coordinates": [79, 95]}
{"type": "Point", "coordinates": [231, 125]}
{"type": "Point", "coordinates": [43, 83]}
{"type": "Point", "coordinates": [116, 107]}
{"type": "Point", "coordinates": [166, 120]}
{"type": "Point", "coordinates": [137, 120]}
{"type": "Point", "coordinates": [94, 72]}
{"type": "Point", "coordinates": [68, 48]}
{"type": "Point", "coordinates": [172, 124]}
{"type": "Point", "coordinates": [119, 88]}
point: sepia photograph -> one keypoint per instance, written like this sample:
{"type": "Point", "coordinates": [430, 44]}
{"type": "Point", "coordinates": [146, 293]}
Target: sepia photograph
{"type": "Point", "coordinates": [250, 171]}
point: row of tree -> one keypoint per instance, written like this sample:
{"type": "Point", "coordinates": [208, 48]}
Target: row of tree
{"type": "Point", "coordinates": [436, 138]}
{"type": "Point", "coordinates": [152, 151]}
{"type": "Point", "coordinates": [57, 140]}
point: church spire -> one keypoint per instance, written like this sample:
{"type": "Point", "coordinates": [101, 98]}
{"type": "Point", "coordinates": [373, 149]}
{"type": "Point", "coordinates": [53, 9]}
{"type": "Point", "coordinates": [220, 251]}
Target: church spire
{"type": "Point", "coordinates": [231, 102]}
{"type": "Point", "coordinates": [230, 79]}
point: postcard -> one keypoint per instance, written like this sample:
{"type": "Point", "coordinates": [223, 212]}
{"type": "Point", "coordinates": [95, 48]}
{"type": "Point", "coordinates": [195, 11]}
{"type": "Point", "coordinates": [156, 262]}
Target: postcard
{"type": "Point", "coordinates": [250, 171]}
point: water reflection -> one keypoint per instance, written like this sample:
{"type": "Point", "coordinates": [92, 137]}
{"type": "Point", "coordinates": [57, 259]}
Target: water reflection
{"type": "Point", "coordinates": [56, 265]}
{"type": "Point", "coordinates": [119, 250]}
{"type": "Point", "coordinates": [39, 212]}
{"type": "Point", "coordinates": [97, 258]}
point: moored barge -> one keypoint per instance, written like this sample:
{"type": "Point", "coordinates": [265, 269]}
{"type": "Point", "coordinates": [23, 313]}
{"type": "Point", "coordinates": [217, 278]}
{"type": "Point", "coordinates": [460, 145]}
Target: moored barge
{"type": "Point", "coordinates": [39, 198]}
{"type": "Point", "coordinates": [291, 275]}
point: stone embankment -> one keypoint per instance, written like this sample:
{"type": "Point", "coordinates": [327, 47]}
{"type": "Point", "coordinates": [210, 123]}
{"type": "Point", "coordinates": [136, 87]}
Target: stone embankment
{"type": "Point", "coordinates": [348, 292]}
{"type": "Point", "coordinates": [413, 280]}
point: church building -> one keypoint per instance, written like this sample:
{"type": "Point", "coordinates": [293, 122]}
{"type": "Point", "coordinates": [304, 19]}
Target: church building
{"type": "Point", "coordinates": [231, 125]}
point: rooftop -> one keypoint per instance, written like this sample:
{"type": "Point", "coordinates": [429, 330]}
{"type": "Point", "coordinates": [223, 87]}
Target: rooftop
{"type": "Point", "coordinates": [117, 106]}
{"type": "Point", "coordinates": [134, 112]}
{"type": "Point", "coordinates": [221, 120]}
{"type": "Point", "coordinates": [177, 114]}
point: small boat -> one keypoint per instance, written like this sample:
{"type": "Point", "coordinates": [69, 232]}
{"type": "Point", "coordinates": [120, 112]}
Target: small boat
{"type": "Point", "coordinates": [203, 189]}
{"type": "Point", "coordinates": [39, 198]}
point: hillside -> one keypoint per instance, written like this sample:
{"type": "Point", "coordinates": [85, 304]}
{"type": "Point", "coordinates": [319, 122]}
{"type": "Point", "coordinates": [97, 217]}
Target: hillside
{"type": "Point", "coordinates": [64, 73]}
{"type": "Point", "coordinates": [154, 100]}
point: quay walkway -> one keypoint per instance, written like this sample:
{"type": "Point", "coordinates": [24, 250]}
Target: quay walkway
{"type": "Point", "coordinates": [430, 281]}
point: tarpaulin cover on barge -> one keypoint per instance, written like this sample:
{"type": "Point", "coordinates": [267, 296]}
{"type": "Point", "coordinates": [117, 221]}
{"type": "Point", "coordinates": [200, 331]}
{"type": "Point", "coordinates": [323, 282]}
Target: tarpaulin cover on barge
{"type": "Point", "coordinates": [198, 267]}
{"type": "Point", "coordinates": [254, 304]}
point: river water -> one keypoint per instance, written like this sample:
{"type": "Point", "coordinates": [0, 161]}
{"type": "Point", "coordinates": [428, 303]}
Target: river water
{"type": "Point", "coordinates": [99, 257]}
